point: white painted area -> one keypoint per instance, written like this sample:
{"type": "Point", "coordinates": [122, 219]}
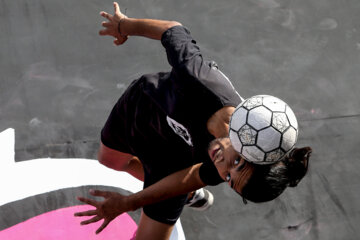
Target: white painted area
{"type": "Point", "coordinates": [29, 178]}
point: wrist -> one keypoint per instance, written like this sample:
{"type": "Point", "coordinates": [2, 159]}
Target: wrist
{"type": "Point", "coordinates": [121, 28]}
{"type": "Point", "coordinates": [132, 202]}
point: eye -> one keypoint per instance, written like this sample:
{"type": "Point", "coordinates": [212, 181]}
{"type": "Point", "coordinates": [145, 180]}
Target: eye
{"type": "Point", "coordinates": [228, 177]}
{"type": "Point", "coordinates": [237, 161]}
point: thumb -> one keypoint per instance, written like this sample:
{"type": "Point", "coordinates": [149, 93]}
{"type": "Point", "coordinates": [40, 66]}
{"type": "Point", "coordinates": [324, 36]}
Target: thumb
{"type": "Point", "coordinates": [103, 226]}
{"type": "Point", "coordinates": [120, 41]}
{"type": "Point", "coordinates": [116, 8]}
{"type": "Point", "coordinates": [117, 42]}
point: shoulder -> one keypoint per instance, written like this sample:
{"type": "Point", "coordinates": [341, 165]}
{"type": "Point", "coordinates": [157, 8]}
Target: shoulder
{"type": "Point", "coordinates": [175, 34]}
{"type": "Point", "coordinates": [218, 123]}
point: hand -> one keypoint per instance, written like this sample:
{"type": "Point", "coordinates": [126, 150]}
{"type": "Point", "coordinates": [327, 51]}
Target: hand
{"type": "Point", "coordinates": [113, 205]}
{"type": "Point", "coordinates": [112, 26]}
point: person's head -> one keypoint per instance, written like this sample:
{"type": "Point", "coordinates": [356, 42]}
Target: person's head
{"type": "Point", "coordinates": [258, 183]}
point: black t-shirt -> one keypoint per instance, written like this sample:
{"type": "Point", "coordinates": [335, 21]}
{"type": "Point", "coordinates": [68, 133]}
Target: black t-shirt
{"type": "Point", "coordinates": [161, 118]}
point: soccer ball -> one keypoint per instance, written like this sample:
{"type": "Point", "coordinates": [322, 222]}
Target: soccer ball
{"type": "Point", "coordinates": [263, 129]}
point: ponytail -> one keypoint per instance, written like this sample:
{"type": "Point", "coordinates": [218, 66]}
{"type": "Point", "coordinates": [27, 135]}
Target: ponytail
{"type": "Point", "coordinates": [269, 181]}
{"type": "Point", "coordinates": [297, 165]}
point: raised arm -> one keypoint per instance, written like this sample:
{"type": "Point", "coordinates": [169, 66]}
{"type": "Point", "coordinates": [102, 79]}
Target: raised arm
{"type": "Point", "coordinates": [178, 183]}
{"type": "Point", "coordinates": [120, 26]}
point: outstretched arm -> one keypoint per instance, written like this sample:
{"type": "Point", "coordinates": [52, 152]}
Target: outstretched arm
{"type": "Point", "coordinates": [181, 182]}
{"type": "Point", "coordinates": [120, 26]}
{"type": "Point", "coordinates": [178, 183]}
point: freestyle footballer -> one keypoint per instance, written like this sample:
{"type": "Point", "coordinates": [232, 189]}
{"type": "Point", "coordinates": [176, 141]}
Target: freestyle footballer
{"type": "Point", "coordinates": [170, 130]}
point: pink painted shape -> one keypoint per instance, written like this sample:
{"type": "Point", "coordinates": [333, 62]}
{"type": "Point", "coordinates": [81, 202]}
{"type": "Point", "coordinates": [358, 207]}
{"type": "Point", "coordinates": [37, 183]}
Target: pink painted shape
{"type": "Point", "coordinates": [61, 224]}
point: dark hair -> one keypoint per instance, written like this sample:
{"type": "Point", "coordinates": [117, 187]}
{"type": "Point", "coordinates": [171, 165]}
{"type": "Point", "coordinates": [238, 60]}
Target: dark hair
{"type": "Point", "coordinates": [268, 181]}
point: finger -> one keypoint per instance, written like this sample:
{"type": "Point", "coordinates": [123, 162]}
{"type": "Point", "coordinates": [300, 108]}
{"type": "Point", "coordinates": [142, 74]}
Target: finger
{"type": "Point", "coordinates": [104, 225]}
{"type": "Point", "coordinates": [117, 42]}
{"type": "Point", "coordinates": [98, 193]}
{"type": "Point", "coordinates": [104, 32]}
{"type": "Point", "coordinates": [103, 14]}
{"type": "Point", "coordinates": [117, 8]}
{"type": "Point", "coordinates": [88, 201]}
{"type": "Point", "coordinates": [106, 15]}
{"type": "Point", "coordinates": [121, 40]}
{"type": "Point", "coordinates": [91, 220]}
{"type": "Point", "coordinates": [86, 213]}
{"type": "Point", "coordinates": [106, 24]}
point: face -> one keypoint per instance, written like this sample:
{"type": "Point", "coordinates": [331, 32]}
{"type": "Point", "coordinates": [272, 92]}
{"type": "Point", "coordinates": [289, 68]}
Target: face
{"type": "Point", "coordinates": [230, 165]}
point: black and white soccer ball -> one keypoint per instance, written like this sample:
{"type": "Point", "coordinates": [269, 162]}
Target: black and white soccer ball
{"type": "Point", "coordinates": [263, 129]}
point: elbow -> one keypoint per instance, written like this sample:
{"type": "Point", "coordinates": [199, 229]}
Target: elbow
{"type": "Point", "coordinates": [173, 24]}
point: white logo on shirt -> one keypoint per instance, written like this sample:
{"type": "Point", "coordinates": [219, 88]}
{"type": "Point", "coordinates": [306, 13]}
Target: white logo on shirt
{"type": "Point", "coordinates": [180, 130]}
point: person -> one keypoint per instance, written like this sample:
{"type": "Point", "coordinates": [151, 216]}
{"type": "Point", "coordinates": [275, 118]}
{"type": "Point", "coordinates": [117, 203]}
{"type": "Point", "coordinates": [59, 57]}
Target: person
{"type": "Point", "coordinates": [170, 130]}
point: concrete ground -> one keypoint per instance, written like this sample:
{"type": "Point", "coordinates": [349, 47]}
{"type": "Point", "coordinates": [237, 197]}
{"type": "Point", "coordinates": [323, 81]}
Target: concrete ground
{"type": "Point", "coordinates": [59, 80]}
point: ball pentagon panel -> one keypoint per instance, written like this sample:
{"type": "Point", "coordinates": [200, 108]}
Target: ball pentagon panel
{"type": "Point", "coordinates": [280, 121]}
{"type": "Point", "coordinates": [235, 141]}
{"type": "Point", "coordinates": [247, 135]}
{"type": "Point", "coordinates": [252, 102]}
{"type": "Point", "coordinates": [274, 156]}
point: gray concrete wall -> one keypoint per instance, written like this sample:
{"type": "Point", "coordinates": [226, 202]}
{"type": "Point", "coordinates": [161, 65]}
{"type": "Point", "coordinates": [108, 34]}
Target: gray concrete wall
{"type": "Point", "coordinates": [59, 80]}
